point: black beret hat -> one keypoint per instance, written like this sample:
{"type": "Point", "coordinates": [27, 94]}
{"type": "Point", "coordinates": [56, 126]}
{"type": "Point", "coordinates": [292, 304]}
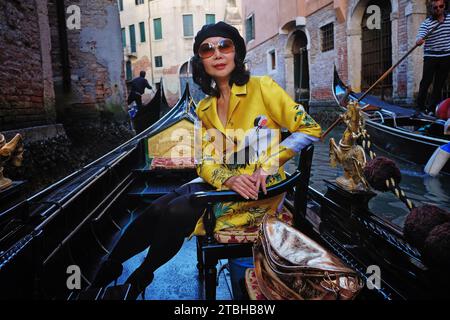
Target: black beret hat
{"type": "Point", "coordinates": [221, 29]}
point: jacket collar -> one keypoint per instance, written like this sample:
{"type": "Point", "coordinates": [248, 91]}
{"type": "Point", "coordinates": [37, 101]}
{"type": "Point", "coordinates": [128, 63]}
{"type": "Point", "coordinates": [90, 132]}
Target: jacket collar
{"type": "Point", "coordinates": [210, 108]}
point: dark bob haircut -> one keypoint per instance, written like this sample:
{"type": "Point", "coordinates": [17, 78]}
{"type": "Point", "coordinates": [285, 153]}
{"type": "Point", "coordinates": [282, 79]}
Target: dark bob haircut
{"type": "Point", "coordinates": [239, 76]}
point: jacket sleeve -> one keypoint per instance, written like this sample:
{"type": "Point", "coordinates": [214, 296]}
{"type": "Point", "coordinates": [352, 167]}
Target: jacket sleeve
{"type": "Point", "coordinates": [290, 115]}
{"type": "Point", "coordinates": [210, 164]}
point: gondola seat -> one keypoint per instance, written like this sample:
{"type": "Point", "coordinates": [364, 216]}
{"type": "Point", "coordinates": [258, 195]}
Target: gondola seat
{"type": "Point", "coordinates": [171, 163]}
{"type": "Point", "coordinates": [248, 234]}
{"type": "Point", "coordinates": [215, 246]}
{"type": "Point", "coordinates": [251, 284]}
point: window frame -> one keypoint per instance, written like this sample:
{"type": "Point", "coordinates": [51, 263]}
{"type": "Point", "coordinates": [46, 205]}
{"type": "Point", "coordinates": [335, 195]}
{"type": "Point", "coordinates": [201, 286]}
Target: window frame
{"type": "Point", "coordinates": [160, 29]}
{"type": "Point", "coordinates": [191, 26]}
{"type": "Point", "coordinates": [142, 33]}
{"type": "Point", "coordinates": [161, 60]}
{"type": "Point", "coordinates": [132, 37]}
{"type": "Point", "coordinates": [124, 37]}
{"type": "Point", "coordinates": [326, 43]}
{"type": "Point", "coordinates": [252, 35]}
{"type": "Point", "coordinates": [128, 70]}
{"type": "Point", "coordinates": [272, 60]}
{"type": "Point", "coordinates": [209, 15]}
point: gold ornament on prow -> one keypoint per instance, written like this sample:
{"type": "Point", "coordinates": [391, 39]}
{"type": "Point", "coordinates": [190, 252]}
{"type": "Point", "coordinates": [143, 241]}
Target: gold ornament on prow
{"type": "Point", "coordinates": [12, 152]}
{"type": "Point", "coordinates": [348, 153]}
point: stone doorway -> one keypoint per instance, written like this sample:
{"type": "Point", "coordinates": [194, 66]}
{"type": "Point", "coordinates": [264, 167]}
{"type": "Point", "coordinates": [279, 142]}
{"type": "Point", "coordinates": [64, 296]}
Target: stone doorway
{"type": "Point", "coordinates": [301, 67]}
{"type": "Point", "coordinates": [376, 53]}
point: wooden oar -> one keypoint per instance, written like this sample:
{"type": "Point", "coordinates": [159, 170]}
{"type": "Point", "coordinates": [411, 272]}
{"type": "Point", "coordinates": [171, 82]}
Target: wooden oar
{"type": "Point", "coordinates": [338, 120]}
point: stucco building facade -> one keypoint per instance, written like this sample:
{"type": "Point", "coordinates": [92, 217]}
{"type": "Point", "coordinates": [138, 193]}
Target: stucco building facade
{"type": "Point", "coordinates": [169, 28]}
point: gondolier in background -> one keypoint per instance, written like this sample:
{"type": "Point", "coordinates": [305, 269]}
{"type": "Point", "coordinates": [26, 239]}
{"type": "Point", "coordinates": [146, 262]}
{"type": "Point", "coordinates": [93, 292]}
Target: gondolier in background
{"type": "Point", "coordinates": [138, 86]}
{"type": "Point", "coordinates": [436, 65]}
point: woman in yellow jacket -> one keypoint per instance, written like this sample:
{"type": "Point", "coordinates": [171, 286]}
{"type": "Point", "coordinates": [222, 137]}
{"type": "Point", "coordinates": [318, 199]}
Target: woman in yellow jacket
{"type": "Point", "coordinates": [239, 129]}
{"type": "Point", "coordinates": [259, 107]}
{"type": "Point", "coordinates": [240, 107]}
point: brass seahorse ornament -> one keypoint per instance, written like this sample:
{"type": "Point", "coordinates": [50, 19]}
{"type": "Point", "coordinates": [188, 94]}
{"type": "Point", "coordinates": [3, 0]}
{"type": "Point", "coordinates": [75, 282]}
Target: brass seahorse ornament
{"type": "Point", "coordinates": [348, 153]}
{"type": "Point", "coordinates": [12, 152]}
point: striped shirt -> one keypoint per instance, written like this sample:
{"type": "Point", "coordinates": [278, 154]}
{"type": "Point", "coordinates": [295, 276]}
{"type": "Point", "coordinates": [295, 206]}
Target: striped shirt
{"type": "Point", "coordinates": [438, 43]}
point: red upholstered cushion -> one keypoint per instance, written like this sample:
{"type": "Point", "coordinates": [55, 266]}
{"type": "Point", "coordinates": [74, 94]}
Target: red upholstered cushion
{"type": "Point", "coordinates": [237, 235]}
{"type": "Point", "coordinates": [251, 284]}
{"type": "Point", "coordinates": [247, 234]}
{"type": "Point", "coordinates": [159, 163]}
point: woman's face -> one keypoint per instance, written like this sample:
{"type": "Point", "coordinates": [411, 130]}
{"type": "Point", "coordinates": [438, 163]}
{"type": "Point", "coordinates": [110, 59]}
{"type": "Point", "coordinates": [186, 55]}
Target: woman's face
{"type": "Point", "coordinates": [220, 64]}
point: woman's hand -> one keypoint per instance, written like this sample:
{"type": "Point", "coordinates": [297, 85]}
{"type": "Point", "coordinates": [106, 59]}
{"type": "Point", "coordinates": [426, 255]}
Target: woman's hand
{"type": "Point", "coordinates": [260, 177]}
{"type": "Point", "coordinates": [244, 185]}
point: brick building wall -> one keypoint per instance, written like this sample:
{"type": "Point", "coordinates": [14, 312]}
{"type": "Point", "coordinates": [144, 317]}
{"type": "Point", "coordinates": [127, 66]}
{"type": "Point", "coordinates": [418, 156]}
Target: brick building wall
{"type": "Point", "coordinates": [95, 59]}
{"type": "Point", "coordinates": [31, 76]}
{"type": "Point", "coordinates": [32, 100]}
{"type": "Point", "coordinates": [26, 96]}
{"type": "Point", "coordinates": [321, 63]}
{"type": "Point", "coordinates": [259, 63]}
{"type": "Point", "coordinates": [406, 16]}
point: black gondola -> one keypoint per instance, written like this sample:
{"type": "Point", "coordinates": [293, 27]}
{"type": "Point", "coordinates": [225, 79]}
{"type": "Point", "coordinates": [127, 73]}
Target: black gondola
{"type": "Point", "coordinates": [395, 129]}
{"type": "Point", "coordinates": [150, 113]}
{"type": "Point", "coordinates": [76, 221]}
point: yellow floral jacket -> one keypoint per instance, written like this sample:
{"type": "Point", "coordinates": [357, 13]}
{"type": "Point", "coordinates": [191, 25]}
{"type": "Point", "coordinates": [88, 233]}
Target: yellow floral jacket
{"type": "Point", "coordinates": [261, 102]}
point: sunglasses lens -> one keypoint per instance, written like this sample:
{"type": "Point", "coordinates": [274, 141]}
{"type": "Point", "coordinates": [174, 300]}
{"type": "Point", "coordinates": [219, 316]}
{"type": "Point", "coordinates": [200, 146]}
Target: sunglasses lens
{"type": "Point", "coordinates": [206, 50]}
{"type": "Point", "coordinates": [226, 46]}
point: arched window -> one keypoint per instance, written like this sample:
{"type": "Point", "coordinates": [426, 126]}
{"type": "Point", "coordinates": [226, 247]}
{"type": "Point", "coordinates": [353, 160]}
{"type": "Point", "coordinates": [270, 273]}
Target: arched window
{"type": "Point", "coordinates": [376, 54]}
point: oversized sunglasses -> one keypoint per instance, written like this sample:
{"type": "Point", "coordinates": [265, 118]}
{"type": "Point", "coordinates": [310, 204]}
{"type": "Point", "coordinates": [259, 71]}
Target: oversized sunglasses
{"type": "Point", "coordinates": [441, 6]}
{"type": "Point", "coordinates": [207, 49]}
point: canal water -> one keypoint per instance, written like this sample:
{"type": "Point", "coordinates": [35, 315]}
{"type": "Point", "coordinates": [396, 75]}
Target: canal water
{"type": "Point", "coordinates": [418, 186]}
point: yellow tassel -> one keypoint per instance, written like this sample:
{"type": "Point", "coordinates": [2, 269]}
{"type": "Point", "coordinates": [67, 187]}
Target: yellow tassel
{"type": "Point", "coordinates": [368, 144]}
{"type": "Point", "coordinates": [409, 203]}
{"type": "Point", "coordinates": [397, 193]}
{"type": "Point", "coordinates": [388, 184]}
{"type": "Point", "coordinates": [393, 182]}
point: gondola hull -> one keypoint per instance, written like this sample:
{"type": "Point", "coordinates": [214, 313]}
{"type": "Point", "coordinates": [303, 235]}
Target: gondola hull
{"type": "Point", "coordinates": [75, 222]}
{"type": "Point", "coordinates": [403, 144]}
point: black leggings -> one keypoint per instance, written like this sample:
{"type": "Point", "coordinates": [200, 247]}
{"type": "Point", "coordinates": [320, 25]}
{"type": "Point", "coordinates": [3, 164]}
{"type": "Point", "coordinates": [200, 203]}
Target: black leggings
{"type": "Point", "coordinates": [163, 227]}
